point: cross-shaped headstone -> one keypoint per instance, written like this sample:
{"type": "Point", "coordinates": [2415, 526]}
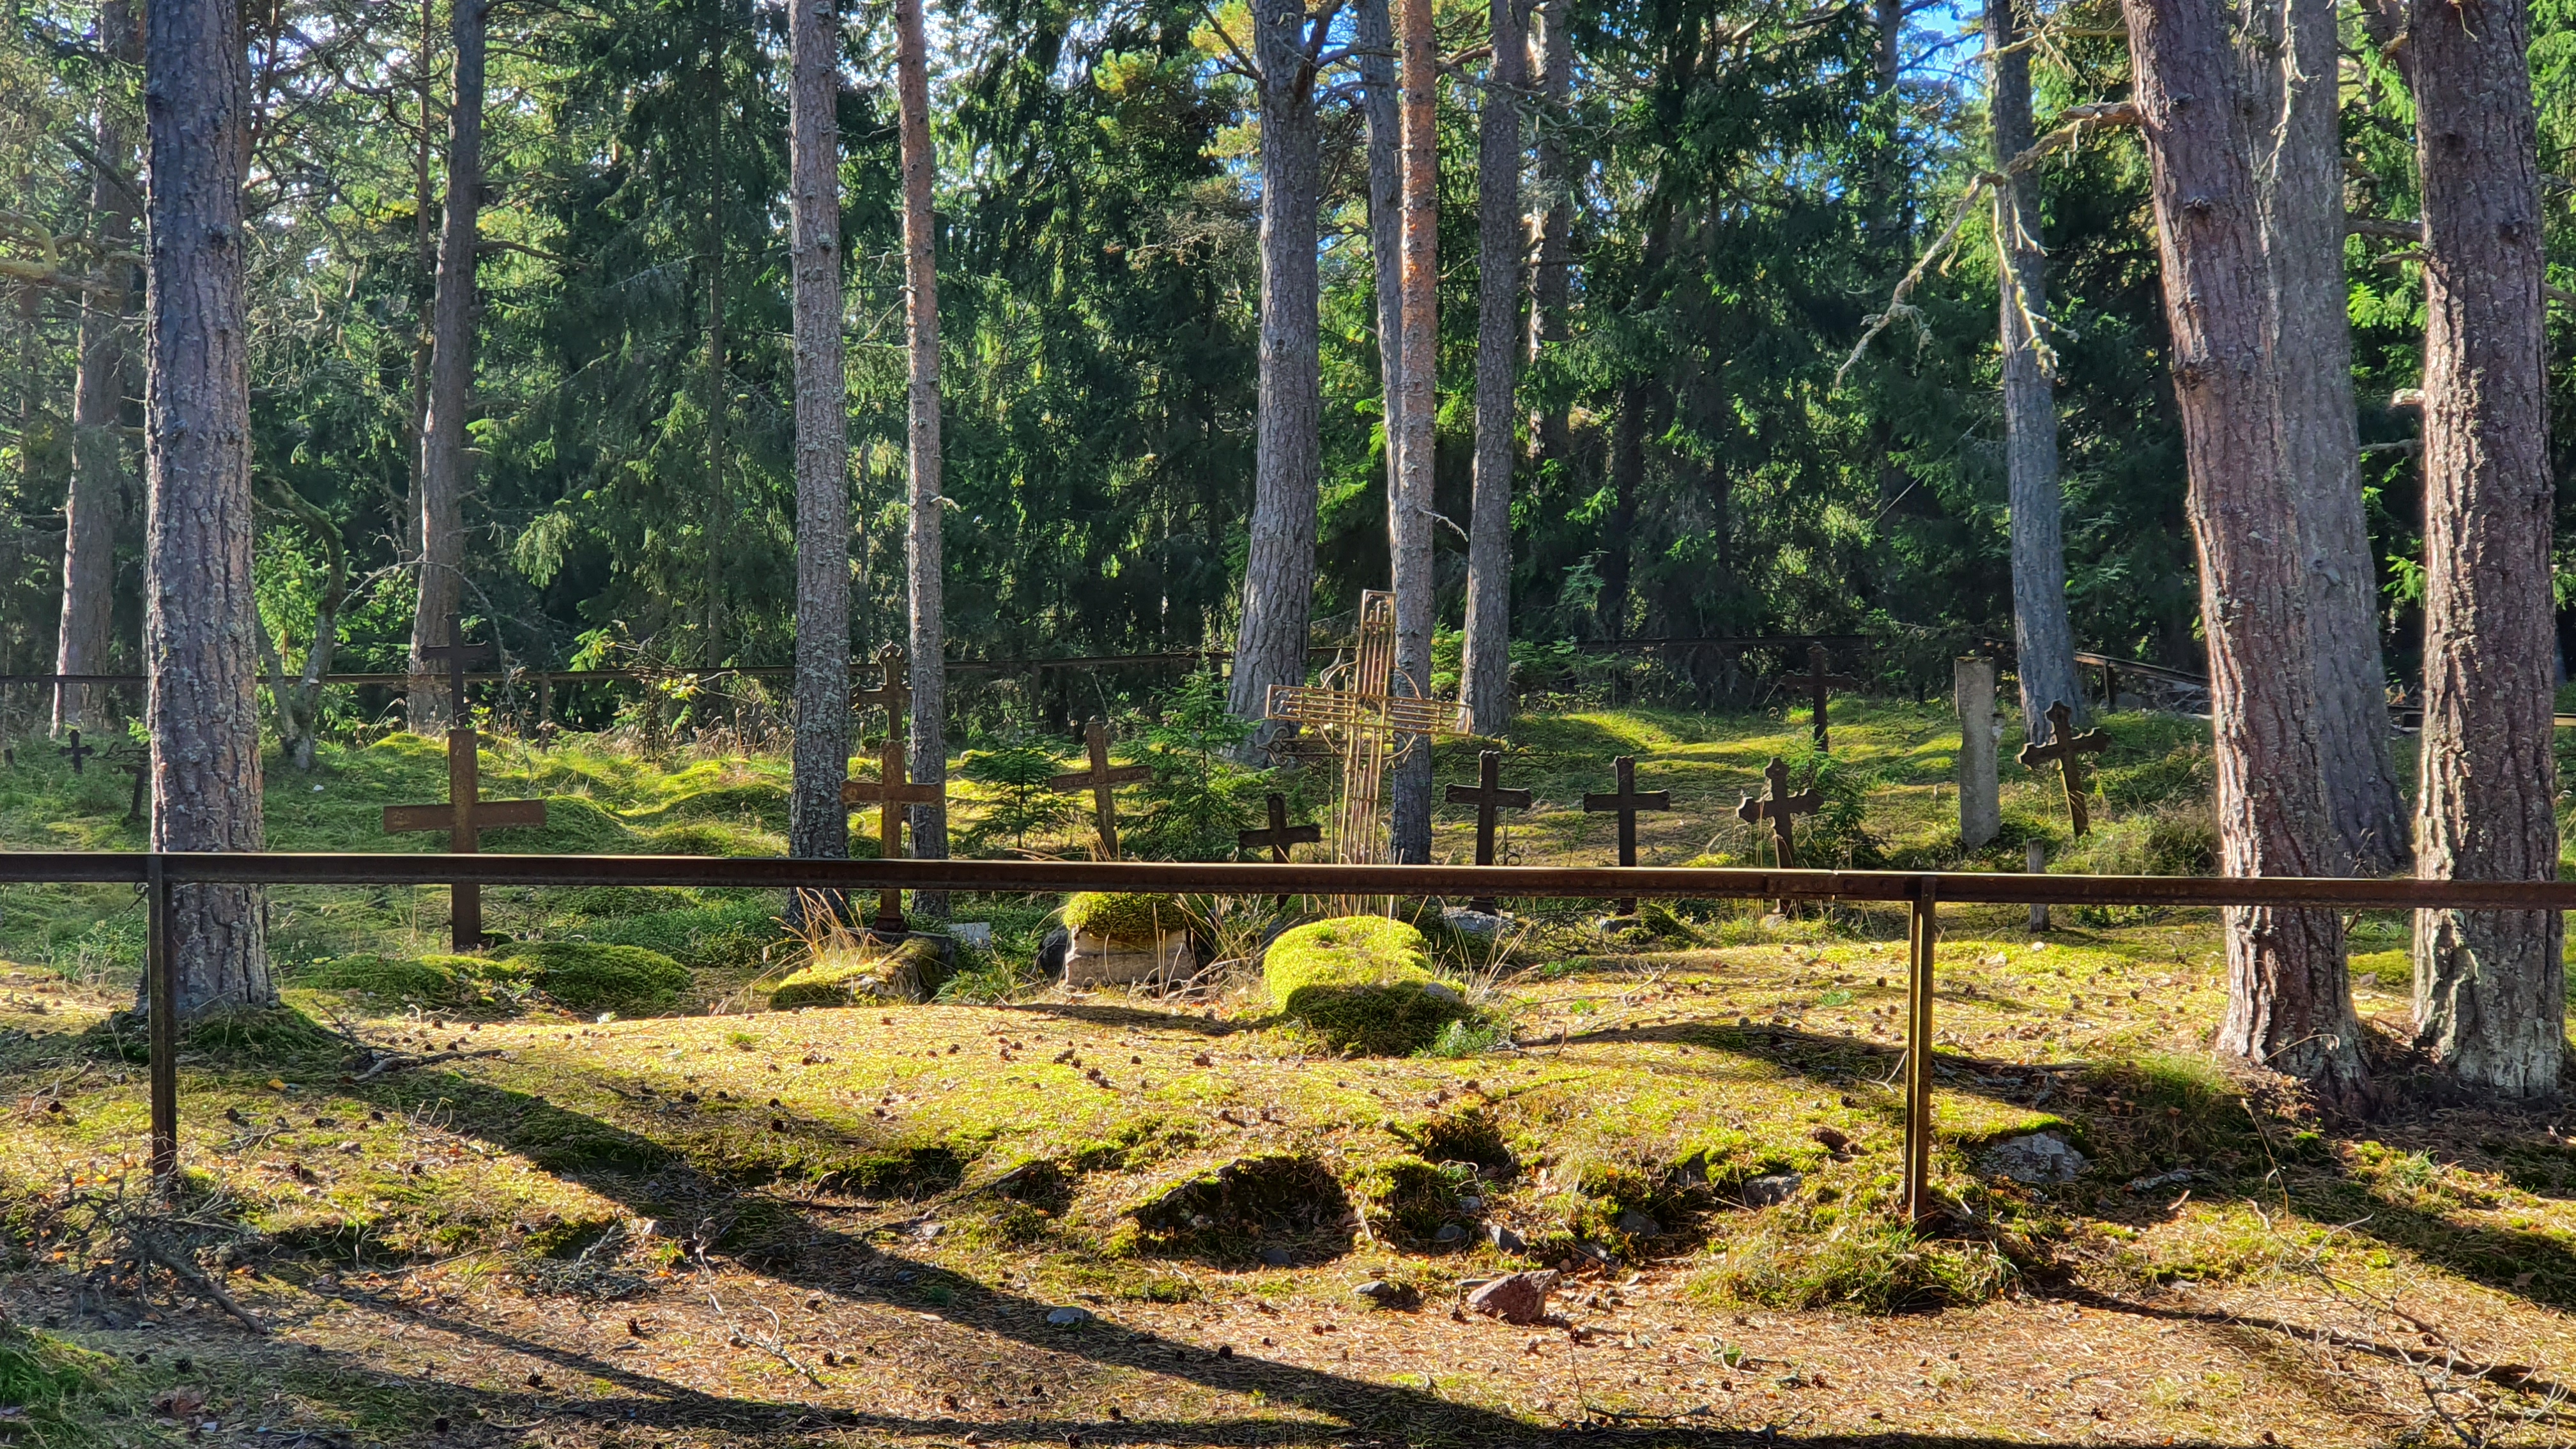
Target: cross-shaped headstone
{"type": "Point", "coordinates": [1627, 801]}
{"type": "Point", "coordinates": [1102, 781]}
{"type": "Point", "coordinates": [1778, 809]}
{"type": "Point", "coordinates": [1489, 797]}
{"type": "Point", "coordinates": [2068, 749]}
{"type": "Point", "coordinates": [1819, 682]}
{"type": "Point", "coordinates": [1367, 719]}
{"type": "Point", "coordinates": [456, 654]}
{"type": "Point", "coordinates": [466, 815]}
{"type": "Point", "coordinates": [136, 761]}
{"type": "Point", "coordinates": [891, 790]}
{"type": "Point", "coordinates": [1280, 835]}
{"type": "Point", "coordinates": [76, 751]}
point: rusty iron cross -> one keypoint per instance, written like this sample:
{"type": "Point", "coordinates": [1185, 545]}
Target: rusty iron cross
{"type": "Point", "coordinates": [1358, 709]}
{"type": "Point", "coordinates": [76, 751]}
{"type": "Point", "coordinates": [1102, 781]}
{"type": "Point", "coordinates": [1819, 682]}
{"type": "Point", "coordinates": [1489, 797]}
{"type": "Point", "coordinates": [1778, 809]}
{"type": "Point", "coordinates": [456, 654]}
{"type": "Point", "coordinates": [891, 790]}
{"type": "Point", "coordinates": [466, 814]}
{"type": "Point", "coordinates": [1627, 801]}
{"type": "Point", "coordinates": [1279, 836]}
{"type": "Point", "coordinates": [2068, 749]}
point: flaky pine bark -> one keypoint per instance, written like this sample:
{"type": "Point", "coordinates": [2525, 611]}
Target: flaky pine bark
{"type": "Point", "coordinates": [2043, 639]}
{"type": "Point", "coordinates": [198, 611]}
{"type": "Point", "coordinates": [425, 256]}
{"type": "Point", "coordinates": [818, 824]}
{"type": "Point", "coordinates": [1550, 277]}
{"type": "Point", "coordinates": [1373, 36]}
{"type": "Point", "coordinates": [1485, 677]}
{"type": "Point", "coordinates": [1279, 564]}
{"type": "Point", "coordinates": [2302, 186]}
{"type": "Point", "coordinates": [929, 642]}
{"type": "Point", "coordinates": [1409, 506]}
{"type": "Point", "coordinates": [451, 375]}
{"type": "Point", "coordinates": [2490, 987]}
{"type": "Point", "coordinates": [98, 396]}
{"type": "Point", "coordinates": [2289, 1004]}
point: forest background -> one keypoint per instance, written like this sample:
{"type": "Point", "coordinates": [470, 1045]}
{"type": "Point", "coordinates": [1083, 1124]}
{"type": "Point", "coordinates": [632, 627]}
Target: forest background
{"type": "Point", "coordinates": [631, 497]}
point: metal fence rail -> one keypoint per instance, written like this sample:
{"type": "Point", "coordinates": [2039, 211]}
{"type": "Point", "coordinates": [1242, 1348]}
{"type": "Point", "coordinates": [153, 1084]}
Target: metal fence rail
{"type": "Point", "coordinates": [1920, 892]}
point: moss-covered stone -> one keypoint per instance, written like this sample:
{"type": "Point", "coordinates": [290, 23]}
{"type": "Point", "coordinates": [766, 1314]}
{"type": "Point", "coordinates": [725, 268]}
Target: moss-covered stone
{"type": "Point", "coordinates": [913, 970]}
{"type": "Point", "coordinates": [459, 983]}
{"type": "Point", "coordinates": [1363, 982]}
{"type": "Point", "coordinates": [587, 976]}
{"type": "Point", "coordinates": [1128, 920]}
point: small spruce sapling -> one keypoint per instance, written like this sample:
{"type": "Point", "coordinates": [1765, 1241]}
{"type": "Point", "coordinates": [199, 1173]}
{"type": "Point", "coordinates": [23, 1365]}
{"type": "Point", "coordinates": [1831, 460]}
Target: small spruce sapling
{"type": "Point", "coordinates": [1198, 797]}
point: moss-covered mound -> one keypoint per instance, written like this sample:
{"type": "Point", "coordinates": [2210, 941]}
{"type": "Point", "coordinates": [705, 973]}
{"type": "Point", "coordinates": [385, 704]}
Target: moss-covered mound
{"type": "Point", "coordinates": [912, 971]}
{"type": "Point", "coordinates": [456, 983]}
{"type": "Point", "coordinates": [1364, 982]}
{"type": "Point", "coordinates": [1220, 1209]}
{"type": "Point", "coordinates": [1128, 920]}
{"type": "Point", "coordinates": [587, 976]}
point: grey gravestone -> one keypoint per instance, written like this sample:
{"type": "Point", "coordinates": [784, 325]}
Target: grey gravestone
{"type": "Point", "coordinates": [1981, 812]}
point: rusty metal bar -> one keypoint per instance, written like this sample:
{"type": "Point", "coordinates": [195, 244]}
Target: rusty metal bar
{"type": "Point", "coordinates": [1925, 922]}
{"type": "Point", "coordinates": [1300, 878]}
{"type": "Point", "coordinates": [162, 1002]}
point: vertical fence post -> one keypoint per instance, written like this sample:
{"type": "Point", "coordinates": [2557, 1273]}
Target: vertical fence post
{"type": "Point", "coordinates": [162, 1002]}
{"type": "Point", "coordinates": [1918, 1054]}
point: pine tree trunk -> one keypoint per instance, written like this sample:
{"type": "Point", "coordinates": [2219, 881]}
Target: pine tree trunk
{"type": "Point", "coordinates": [1409, 508]}
{"type": "Point", "coordinates": [425, 255]}
{"type": "Point", "coordinates": [2289, 1004]}
{"type": "Point", "coordinates": [2043, 639]}
{"type": "Point", "coordinates": [1279, 566]}
{"type": "Point", "coordinates": [713, 506]}
{"type": "Point", "coordinates": [98, 401]}
{"type": "Point", "coordinates": [1373, 32]}
{"type": "Point", "coordinates": [818, 823]}
{"type": "Point", "coordinates": [929, 644]}
{"type": "Point", "coordinates": [1627, 470]}
{"type": "Point", "coordinates": [1550, 279]}
{"type": "Point", "coordinates": [451, 377]}
{"type": "Point", "coordinates": [2490, 987]}
{"type": "Point", "coordinates": [2304, 223]}
{"type": "Point", "coordinates": [198, 610]}
{"type": "Point", "coordinates": [1485, 679]}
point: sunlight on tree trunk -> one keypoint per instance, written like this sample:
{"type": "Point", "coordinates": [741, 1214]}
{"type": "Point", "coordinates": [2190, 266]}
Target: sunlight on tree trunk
{"type": "Point", "coordinates": [1484, 681]}
{"type": "Point", "coordinates": [451, 377]}
{"type": "Point", "coordinates": [922, 554]}
{"type": "Point", "coordinates": [1409, 506]}
{"type": "Point", "coordinates": [818, 823]}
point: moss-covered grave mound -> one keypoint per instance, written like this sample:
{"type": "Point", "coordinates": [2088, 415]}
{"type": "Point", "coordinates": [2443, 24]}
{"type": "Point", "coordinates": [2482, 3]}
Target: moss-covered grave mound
{"type": "Point", "coordinates": [454, 983]}
{"type": "Point", "coordinates": [1363, 982]}
{"type": "Point", "coordinates": [1127, 920]}
{"type": "Point", "coordinates": [587, 976]}
{"type": "Point", "coordinates": [913, 970]}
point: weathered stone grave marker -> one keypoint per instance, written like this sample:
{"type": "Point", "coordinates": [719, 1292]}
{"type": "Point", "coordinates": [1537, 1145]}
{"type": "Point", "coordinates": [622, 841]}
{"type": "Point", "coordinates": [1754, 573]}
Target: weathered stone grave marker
{"type": "Point", "coordinates": [1981, 813]}
{"type": "Point", "coordinates": [1819, 681]}
{"type": "Point", "coordinates": [891, 791]}
{"type": "Point", "coordinates": [1625, 802]}
{"type": "Point", "coordinates": [1103, 782]}
{"type": "Point", "coordinates": [1489, 797]}
{"type": "Point", "coordinates": [466, 814]}
{"type": "Point", "coordinates": [2067, 750]}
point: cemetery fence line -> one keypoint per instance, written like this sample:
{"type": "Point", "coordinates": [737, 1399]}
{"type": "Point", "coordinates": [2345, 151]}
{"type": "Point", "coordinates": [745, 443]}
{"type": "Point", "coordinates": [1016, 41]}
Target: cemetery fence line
{"type": "Point", "coordinates": [1921, 892]}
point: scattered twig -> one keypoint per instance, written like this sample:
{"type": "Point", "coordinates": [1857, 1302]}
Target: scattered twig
{"type": "Point", "coordinates": [179, 1263]}
{"type": "Point", "coordinates": [769, 1343]}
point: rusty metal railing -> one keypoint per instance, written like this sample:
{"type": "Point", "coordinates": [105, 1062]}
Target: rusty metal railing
{"type": "Point", "coordinates": [1922, 893]}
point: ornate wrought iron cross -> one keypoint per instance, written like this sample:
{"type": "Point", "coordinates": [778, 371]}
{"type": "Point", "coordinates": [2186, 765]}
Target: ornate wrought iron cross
{"type": "Point", "coordinates": [1358, 711]}
{"type": "Point", "coordinates": [76, 752]}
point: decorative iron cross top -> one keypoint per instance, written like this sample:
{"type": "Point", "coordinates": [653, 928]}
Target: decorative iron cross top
{"type": "Point", "coordinates": [1366, 716]}
{"type": "Point", "coordinates": [1627, 801]}
{"type": "Point", "coordinates": [1778, 809]}
{"type": "Point", "coordinates": [2068, 749]}
{"type": "Point", "coordinates": [1819, 682]}
{"type": "Point", "coordinates": [1489, 797]}
{"type": "Point", "coordinates": [466, 815]}
{"type": "Point", "coordinates": [76, 751]}
{"type": "Point", "coordinates": [1102, 781]}
{"type": "Point", "coordinates": [1279, 836]}
{"type": "Point", "coordinates": [891, 790]}
{"type": "Point", "coordinates": [456, 654]}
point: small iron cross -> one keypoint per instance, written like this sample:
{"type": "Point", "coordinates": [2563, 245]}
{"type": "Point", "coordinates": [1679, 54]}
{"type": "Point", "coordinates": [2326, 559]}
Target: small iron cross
{"type": "Point", "coordinates": [456, 654]}
{"type": "Point", "coordinates": [1489, 797]}
{"type": "Point", "coordinates": [1279, 836]}
{"type": "Point", "coordinates": [1778, 809]}
{"type": "Point", "coordinates": [1103, 782]}
{"type": "Point", "coordinates": [892, 789]}
{"type": "Point", "coordinates": [76, 751]}
{"type": "Point", "coordinates": [466, 815]}
{"type": "Point", "coordinates": [1819, 682]}
{"type": "Point", "coordinates": [2068, 749]}
{"type": "Point", "coordinates": [1627, 801]}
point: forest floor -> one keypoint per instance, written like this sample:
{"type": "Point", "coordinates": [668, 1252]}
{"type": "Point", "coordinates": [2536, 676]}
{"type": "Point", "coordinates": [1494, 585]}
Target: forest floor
{"type": "Point", "coordinates": [499, 1221]}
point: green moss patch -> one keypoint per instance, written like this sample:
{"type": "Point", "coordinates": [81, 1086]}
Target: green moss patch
{"type": "Point", "coordinates": [912, 971]}
{"type": "Point", "coordinates": [587, 976]}
{"type": "Point", "coordinates": [1129, 920]}
{"type": "Point", "coordinates": [456, 983]}
{"type": "Point", "coordinates": [41, 1373]}
{"type": "Point", "coordinates": [1363, 982]}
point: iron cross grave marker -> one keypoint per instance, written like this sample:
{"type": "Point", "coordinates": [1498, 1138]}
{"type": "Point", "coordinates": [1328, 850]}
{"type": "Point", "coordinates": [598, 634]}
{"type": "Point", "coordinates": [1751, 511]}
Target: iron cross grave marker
{"type": "Point", "coordinates": [1819, 682]}
{"type": "Point", "coordinates": [2067, 750]}
{"type": "Point", "coordinates": [466, 815]}
{"type": "Point", "coordinates": [1626, 801]}
{"type": "Point", "coordinates": [891, 790]}
{"type": "Point", "coordinates": [1778, 809]}
{"type": "Point", "coordinates": [76, 752]}
{"type": "Point", "coordinates": [1489, 797]}
{"type": "Point", "coordinates": [1280, 835]}
{"type": "Point", "coordinates": [1102, 780]}
{"type": "Point", "coordinates": [1358, 709]}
